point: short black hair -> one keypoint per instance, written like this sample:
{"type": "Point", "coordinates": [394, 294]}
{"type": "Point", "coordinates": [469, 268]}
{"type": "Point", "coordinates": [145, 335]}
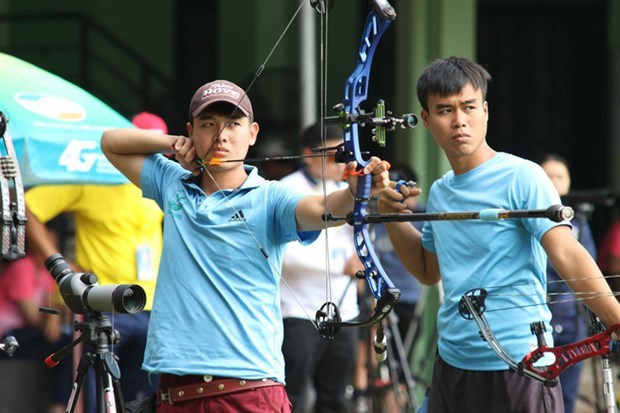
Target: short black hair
{"type": "Point", "coordinates": [311, 136]}
{"type": "Point", "coordinates": [445, 77]}
{"type": "Point", "coordinates": [556, 158]}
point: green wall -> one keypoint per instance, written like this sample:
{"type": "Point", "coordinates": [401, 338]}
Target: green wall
{"type": "Point", "coordinates": [145, 28]}
{"type": "Point", "coordinates": [427, 30]}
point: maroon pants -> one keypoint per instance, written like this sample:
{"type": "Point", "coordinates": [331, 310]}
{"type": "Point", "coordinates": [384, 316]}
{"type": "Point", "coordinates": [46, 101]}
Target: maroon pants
{"type": "Point", "coordinates": [271, 399]}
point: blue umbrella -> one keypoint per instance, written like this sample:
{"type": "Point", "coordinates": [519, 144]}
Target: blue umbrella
{"type": "Point", "coordinates": [56, 126]}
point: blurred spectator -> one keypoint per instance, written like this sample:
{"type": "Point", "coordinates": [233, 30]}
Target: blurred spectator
{"type": "Point", "coordinates": [118, 238]}
{"type": "Point", "coordinates": [25, 286]}
{"type": "Point", "coordinates": [609, 255]}
{"type": "Point", "coordinates": [324, 365]}
{"type": "Point", "coordinates": [277, 168]}
{"type": "Point", "coordinates": [150, 121]}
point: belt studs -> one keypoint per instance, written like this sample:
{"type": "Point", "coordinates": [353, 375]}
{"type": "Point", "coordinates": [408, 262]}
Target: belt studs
{"type": "Point", "coordinates": [200, 390]}
{"type": "Point", "coordinates": [220, 387]}
{"type": "Point", "coordinates": [242, 382]}
{"type": "Point", "coordinates": [207, 378]}
{"type": "Point", "coordinates": [181, 393]}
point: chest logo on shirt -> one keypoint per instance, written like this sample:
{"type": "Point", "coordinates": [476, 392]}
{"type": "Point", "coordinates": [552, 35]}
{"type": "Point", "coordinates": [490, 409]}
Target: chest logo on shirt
{"type": "Point", "coordinates": [237, 217]}
{"type": "Point", "coordinates": [176, 204]}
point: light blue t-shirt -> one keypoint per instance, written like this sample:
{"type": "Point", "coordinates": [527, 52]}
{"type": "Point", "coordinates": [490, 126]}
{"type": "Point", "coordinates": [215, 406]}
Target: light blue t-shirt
{"type": "Point", "coordinates": [217, 304]}
{"type": "Point", "coordinates": [480, 254]}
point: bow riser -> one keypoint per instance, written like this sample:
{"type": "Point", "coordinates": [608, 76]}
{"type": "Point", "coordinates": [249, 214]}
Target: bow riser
{"type": "Point", "coordinates": [356, 92]}
{"type": "Point", "coordinates": [599, 344]}
{"type": "Point", "coordinates": [372, 268]}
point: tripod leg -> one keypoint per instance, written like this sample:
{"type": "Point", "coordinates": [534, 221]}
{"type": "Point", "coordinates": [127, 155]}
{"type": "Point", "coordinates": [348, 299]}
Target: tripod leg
{"type": "Point", "coordinates": [118, 393]}
{"type": "Point", "coordinates": [109, 394]}
{"type": "Point", "coordinates": [78, 383]}
{"type": "Point", "coordinates": [106, 396]}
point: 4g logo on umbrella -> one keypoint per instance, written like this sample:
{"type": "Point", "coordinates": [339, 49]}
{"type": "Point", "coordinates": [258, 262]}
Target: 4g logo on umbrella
{"type": "Point", "coordinates": [79, 156]}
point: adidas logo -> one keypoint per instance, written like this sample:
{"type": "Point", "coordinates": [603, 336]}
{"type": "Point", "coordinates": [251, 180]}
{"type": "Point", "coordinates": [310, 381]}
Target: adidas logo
{"type": "Point", "coordinates": [237, 217]}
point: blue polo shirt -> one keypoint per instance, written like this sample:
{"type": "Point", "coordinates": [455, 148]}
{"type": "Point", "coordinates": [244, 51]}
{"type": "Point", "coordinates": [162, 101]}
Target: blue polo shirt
{"type": "Point", "coordinates": [504, 257]}
{"type": "Point", "coordinates": [217, 304]}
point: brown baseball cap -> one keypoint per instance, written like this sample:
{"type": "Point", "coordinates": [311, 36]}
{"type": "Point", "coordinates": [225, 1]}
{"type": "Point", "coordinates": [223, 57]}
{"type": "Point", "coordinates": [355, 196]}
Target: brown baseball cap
{"type": "Point", "coordinates": [220, 91]}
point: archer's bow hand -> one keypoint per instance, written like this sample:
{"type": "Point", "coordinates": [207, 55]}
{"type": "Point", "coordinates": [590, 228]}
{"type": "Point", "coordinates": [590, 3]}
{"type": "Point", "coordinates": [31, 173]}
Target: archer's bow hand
{"type": "Point", "coordinates": [185, 153]}
{"type": "Point", "coordinates": [391, 200]}
{"type": "Point", "coordinates": [375, 166]}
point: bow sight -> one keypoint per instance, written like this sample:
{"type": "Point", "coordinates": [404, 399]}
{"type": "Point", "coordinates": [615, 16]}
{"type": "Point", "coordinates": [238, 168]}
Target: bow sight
{"type": "Point", "coordinates": [381, 119]}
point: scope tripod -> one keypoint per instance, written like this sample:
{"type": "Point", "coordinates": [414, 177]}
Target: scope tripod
{"type": "Point", "coordinates": [97, 333]}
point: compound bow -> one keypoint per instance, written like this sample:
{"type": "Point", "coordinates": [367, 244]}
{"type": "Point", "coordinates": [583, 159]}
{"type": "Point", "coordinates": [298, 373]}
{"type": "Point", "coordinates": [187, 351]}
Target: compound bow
{"type": "Point", "coordinates": [350, 116]}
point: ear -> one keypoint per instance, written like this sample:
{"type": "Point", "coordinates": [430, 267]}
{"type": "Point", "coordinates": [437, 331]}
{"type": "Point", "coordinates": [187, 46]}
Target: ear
{"type": "Point", "coordinates": [190, 128]}
{"type": "Point", "coordinates": [254, 128]}
{"type": "Point", "coordinates": [424, 116]}
{"type": "Point", "coordinates": [486, 109]}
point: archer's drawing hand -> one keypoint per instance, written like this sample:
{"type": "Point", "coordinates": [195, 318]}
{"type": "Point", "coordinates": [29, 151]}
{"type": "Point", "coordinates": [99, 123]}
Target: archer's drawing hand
{"type": "Point", "coordinates": [379, 170]}
{"type": "Point", "coordinates": [185, 154]}
{"type": "Point", "coordinates": [391, 201]}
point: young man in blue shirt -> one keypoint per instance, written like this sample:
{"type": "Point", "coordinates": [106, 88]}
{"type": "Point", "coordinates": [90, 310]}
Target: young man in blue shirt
{"type": "Point", "coordinates": [468, 375]}
{"type": "Point", "coordinates": [216, 325]}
